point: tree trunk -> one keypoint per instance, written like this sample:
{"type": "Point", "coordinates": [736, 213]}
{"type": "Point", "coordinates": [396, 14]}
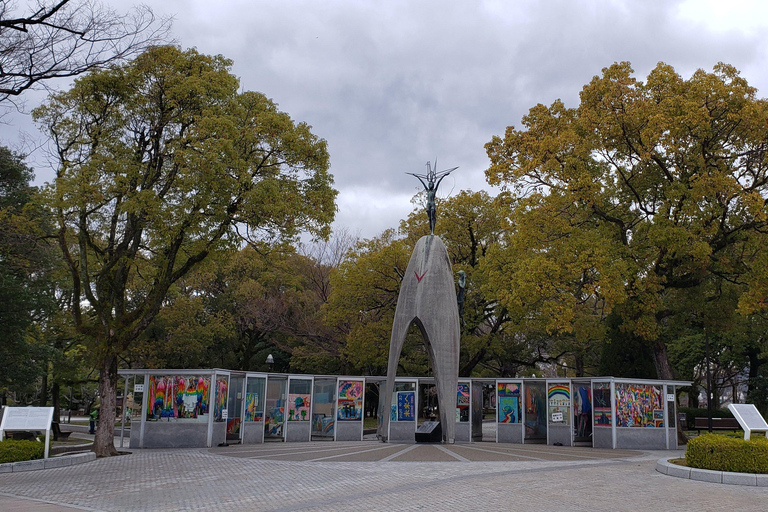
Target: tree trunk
{"type": "Point", "coordinates": [661, 361]}
{"type": "Point", "coordinates": [55, 392]}
{"type": "Point", "coordinates": [466, 370]}
{"type": "Point", "coordinates": [44, 390]}
{"type": "Point", "coordinates": [104, 444]}
{"type": "Point", "coordinates": [579, 364]}
{"type": "Point", "coordinates": [754, 368]}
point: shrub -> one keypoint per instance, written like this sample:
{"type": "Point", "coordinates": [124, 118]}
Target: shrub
{"type": "Point", "coordinates": [17, 451]}
{"type": "Point", "coordinates": [724, 453]}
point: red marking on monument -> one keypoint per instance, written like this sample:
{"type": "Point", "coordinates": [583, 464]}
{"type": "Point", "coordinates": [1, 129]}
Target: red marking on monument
{"type": "Point", "coordinates": [420, 277]}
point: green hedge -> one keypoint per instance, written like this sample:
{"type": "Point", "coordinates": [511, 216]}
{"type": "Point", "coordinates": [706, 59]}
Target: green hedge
{"type": "Point", "coordinates": [724, 453]}
{"type": "Point", "coordinates": [17, 451]}
{"type": "Point", "coordinates": [691, 413]}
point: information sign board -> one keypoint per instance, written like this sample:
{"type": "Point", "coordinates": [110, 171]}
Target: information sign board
{"type": "Point", "coordinates": [749, 418]}
{"type": "Point", "coordinates": [28, 418]}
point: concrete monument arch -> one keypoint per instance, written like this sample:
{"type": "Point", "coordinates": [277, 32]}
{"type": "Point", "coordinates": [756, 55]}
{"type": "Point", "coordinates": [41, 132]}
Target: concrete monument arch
{"type": "Point", "coordinates": [428, 300]}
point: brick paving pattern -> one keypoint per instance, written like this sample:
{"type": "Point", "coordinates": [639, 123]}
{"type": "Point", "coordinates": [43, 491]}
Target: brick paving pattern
{"type": "Point", "coordinates": [342, 476]}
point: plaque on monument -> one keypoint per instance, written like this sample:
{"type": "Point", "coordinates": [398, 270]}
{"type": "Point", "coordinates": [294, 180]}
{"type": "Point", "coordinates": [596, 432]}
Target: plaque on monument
{"type": "Point", "coordinates": [429, 432]}
{"type": "Point", "coordinates": [749, 418]}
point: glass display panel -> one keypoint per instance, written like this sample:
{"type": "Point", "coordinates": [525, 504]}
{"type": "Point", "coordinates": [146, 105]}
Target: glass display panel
{"type": "Point", "coordinates": [222, 388]}
{"type": "Point", "coordinates": [639, 405]}
{"type": "Point", "coordinates": [508, 402]}
{"type": "Point", "coordinates": [535, 410]}
{"type": "Point", "coordinates": [582, 411]}
{"type": "Point", "coordinates": [671, 407]}
{"type": "Point", "coordinates": [601, 394]}
{"type": "Point", "coordinates": [323, 407]}
{"type": "Point", "coordinates": [275, 407]}
{"type": "Point", "coordinates": [559, 403]}
{"type": "Point", "coordinates": [254, 399]}
{"type": "Point", "coordinates": [134, 400]}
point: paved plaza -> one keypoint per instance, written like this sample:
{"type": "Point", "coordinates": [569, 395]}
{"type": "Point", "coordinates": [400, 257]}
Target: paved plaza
{"type": "Point", "coordinates": [370, 476]}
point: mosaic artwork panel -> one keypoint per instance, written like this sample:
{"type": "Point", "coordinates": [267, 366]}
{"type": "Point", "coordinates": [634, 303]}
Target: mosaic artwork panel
{"type": "Point", "coordinates": [177, 396]}
{"type": "Point", "coordinates": [636, 405]}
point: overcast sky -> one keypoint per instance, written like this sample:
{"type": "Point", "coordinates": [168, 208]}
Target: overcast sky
{"type": "Point", "coordinates": [393, 84]}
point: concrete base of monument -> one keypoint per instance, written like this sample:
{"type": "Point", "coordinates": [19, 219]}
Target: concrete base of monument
{"type": "Point", "coordinates": [429, 432]}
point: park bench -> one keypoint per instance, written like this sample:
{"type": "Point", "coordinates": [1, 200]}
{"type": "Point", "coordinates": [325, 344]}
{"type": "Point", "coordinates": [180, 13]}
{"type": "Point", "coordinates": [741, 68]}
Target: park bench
{"type": "Point", "coordinates": [717, 424]}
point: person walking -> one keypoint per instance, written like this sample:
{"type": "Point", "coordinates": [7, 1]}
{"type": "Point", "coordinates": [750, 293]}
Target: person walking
{"type": "Point", "coordinates": [92, 423]}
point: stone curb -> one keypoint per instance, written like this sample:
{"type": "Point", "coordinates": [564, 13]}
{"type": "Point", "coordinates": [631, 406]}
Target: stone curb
{"type": "Point", "coordinates": [705, 475]}
{"type": "Point", "coordinates": [55, 462]}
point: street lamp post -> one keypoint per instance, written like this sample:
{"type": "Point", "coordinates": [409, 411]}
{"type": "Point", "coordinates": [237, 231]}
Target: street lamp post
{"type": "Point", "coordinates": [270, 362]}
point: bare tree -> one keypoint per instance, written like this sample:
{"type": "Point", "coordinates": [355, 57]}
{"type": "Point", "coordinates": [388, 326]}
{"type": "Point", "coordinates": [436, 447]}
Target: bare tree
{"type": "Point", "coordinates": [64, 38]}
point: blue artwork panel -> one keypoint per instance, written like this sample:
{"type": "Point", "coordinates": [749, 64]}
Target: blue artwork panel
{"type": "Point", "coordinates": [406, 406]}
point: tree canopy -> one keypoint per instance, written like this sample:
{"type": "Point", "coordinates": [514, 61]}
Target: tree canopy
{"type": "Point", "coordinates": [645, 192]}
{"type": "Point", "coordinates": [161, 163]}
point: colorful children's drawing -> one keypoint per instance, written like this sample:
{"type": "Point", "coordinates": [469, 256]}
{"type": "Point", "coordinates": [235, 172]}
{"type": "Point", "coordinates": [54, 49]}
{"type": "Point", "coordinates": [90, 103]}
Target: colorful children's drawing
{"type": "Point", "coordinates": [221, 398]}
{"type": "Point", "coordinates": [601, 396]}
{"type": "Point", "coordinates": [350, 389]}
{"type": "Point", "coordinates": [273, 426]}
{"type": "Point", "coordinates": [298, 407]}
{"type": "Point", "coordinates": [462, 395]}
{"type": "Point", "coordinates": [406, 406]}
{"type": "Point", "coordinates": [251, 402]}
{"type": "Point", "coordinates": [636, 404]}
{"type": "Point", "coordinates": [350, 410]}
{"type": "Point", "coordinates": [509, 409]}
{"type": "Point", "coordinates": [322, 424]}
{"type": "Point", "coordinates": [508, 389]}
{"type": "Point", "coordinates": [350, 406]}
{"type": "Point", "coordinates": [559, 402]}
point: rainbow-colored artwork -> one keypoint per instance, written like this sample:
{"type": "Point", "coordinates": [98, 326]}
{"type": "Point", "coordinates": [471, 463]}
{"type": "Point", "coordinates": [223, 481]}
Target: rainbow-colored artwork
{"type": "Point", "coordinates": [298, 407]}
{"type": "Point", "coordinates": [636, 405]}
{"type": "Point", "coordinates": [509, 409]}
{"type": "Point", "coordinates": [221, 398]}
{"type": "Point", "coordinates": [178, 396]}
{"type": "Point", "coordinates": [406, 406]}
{"type": "Point", "coordinates": [251, 403]}
{"type": "Point", "coordinates": [558, 395]}
{"type": "Point", "coordinates": [559, 403]}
